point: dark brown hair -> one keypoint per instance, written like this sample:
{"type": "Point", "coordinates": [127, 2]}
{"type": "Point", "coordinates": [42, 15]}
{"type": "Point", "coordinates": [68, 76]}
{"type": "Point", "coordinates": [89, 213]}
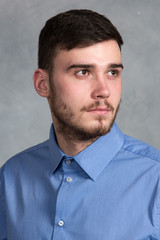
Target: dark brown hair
{"type": "Point", "coordinates": [74, 28]}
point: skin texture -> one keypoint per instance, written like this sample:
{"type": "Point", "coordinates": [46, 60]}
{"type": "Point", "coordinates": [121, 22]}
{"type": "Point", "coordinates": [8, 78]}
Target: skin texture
{"type": "Point", "coordinates": [84, 93]}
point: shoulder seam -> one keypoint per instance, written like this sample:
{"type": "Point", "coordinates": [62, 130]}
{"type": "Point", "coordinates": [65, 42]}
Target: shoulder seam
{"type": "Point", "coordinates": [152, 158]}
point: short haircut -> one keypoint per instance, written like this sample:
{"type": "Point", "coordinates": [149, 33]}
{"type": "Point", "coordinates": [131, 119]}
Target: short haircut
{"type": "Point", "coordinates": [71, 29]}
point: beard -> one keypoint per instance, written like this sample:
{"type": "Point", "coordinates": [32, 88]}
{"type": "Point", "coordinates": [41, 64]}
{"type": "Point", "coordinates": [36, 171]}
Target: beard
{"type": "Point", "coordinates": [68, 125]}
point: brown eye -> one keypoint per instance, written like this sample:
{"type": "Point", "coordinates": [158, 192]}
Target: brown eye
{"type": "Point", "coordinates": [83, 72]}
{"type": "Point", "coordinates": [112, 73]}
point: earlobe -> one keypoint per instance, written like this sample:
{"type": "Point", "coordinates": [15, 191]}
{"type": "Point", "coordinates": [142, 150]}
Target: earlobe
{"type": "Point", "coordinates": [41, 82]}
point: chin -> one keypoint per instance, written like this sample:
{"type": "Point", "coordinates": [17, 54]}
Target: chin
{"type": "Point", "coordinates": [100, 124]}
{"type": "Point", "coordinates": [93, 132]}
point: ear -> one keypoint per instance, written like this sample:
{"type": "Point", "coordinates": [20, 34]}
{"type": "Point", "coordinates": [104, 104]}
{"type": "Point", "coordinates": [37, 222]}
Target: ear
{"type": "Point", "coordinates": [41, 82]}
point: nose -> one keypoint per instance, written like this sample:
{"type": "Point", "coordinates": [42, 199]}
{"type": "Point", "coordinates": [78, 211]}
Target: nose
{"type": "Point", "coordinates": [100, 90]}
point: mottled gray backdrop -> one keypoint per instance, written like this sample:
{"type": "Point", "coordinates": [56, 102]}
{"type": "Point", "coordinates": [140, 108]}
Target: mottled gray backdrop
{"type": "Point", "coordinates": [24, 116]}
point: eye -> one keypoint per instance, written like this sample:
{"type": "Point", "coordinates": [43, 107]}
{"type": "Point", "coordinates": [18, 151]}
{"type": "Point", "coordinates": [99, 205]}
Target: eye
{"type": "Point", "coordinates": [113, 73]}
{"type": "Point", "coordinates": [83, 72]}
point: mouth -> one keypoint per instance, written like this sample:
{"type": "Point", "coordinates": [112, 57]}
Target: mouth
{"type": "Point", "coordinates": [100, 111]}
{"type": "Point", "coordinates": [98, 108]}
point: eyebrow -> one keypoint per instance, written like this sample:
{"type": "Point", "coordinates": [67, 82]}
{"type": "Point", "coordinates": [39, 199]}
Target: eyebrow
{"type": "Point", "coordinates": [92, 66]}
{"type": "Point", "coordinates": [116, 66]}
{"type": "Point", "coordinates": [80, 66]}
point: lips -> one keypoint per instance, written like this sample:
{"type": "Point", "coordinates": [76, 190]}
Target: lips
{"type": "Point", "coordinates": [100, 111]}
{"type": "Point", "coordinates": [98, 107]}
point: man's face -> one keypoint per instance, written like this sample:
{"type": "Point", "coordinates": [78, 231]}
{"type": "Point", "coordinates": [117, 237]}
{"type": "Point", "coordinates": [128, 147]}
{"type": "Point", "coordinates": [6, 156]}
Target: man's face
{"type": "Point", "coordinates": [85, 90]}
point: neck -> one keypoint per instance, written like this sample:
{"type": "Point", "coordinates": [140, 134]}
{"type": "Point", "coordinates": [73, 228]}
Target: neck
{"type": "Point", "coordinates": [71, 146]}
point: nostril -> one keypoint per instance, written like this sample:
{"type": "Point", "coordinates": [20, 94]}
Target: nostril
{"type": "Point", "coordinates": [101, 96]}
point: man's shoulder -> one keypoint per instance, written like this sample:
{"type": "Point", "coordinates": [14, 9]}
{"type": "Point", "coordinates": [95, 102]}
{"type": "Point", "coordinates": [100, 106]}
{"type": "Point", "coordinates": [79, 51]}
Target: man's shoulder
{"type": "Point", "coordinates": [27, 153]}
{"type": "Point", "coordinates": [31, 150]}
{"type": "Point", "coordinates": [138, 147]}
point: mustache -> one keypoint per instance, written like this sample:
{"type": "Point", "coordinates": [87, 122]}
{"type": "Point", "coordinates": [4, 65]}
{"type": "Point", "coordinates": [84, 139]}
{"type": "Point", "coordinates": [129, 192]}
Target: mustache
{"type": "Point", "coordinates": [96, 104]}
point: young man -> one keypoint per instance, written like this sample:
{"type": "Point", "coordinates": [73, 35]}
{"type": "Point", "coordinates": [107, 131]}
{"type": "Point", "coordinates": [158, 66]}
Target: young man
{"type": "Point", "coordinates": [89, 180]}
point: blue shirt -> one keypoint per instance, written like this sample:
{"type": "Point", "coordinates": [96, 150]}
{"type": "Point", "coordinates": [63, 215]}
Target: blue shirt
{"type": "Point", "coordinates": [109, 191]}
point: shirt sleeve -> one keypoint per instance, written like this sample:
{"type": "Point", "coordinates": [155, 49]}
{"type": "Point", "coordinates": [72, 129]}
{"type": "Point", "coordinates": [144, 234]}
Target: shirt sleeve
{"type": "Point", "coordinates": [2, 207]}
{"type": "Point", "coordinates": [157, 207]}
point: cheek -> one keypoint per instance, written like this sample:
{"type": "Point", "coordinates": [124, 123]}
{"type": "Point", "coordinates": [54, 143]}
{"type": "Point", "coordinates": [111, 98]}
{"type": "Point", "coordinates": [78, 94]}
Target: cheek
{"type": "Point", "coordinates": [116, 89]}
{"type": "Point", "coordinates": [116, 92]}
{"type": "Point", "coordinates": [119, 90]}
{"type": "Point", "coordinates": [74, 93]}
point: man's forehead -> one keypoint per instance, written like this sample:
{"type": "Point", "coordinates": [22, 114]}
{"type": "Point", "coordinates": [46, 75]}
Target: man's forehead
{"type": "Point", "coordinates": [108, 51]}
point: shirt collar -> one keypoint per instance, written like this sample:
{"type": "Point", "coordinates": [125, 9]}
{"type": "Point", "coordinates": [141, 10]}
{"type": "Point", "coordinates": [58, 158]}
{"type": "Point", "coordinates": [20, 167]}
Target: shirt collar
{"type": "Point", "coordinates": [95, 157]}
{"type": "Point", "coordinates": [55, 154]}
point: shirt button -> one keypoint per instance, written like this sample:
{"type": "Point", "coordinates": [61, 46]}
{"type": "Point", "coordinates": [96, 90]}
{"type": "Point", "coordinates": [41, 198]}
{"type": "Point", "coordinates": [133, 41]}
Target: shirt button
{"type": "Point", "coordinates": [68, 162]}
{"type": "Point", "coordinates": [61, 223]}
{"type": "Point", "coordinates": [69, 179]}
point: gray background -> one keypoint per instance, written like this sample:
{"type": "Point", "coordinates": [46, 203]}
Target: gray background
{"type": "Point", "coordinates": [24, 116]}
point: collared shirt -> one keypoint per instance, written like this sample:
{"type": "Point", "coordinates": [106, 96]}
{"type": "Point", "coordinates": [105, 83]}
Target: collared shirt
{"type": "Point", "coordinates": [109, 191]}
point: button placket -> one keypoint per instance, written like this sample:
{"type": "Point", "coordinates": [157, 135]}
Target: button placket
{"type": "Point", "coordinates": [67, 180]}
{"type": "Point", "coordinates": [68, 162]}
